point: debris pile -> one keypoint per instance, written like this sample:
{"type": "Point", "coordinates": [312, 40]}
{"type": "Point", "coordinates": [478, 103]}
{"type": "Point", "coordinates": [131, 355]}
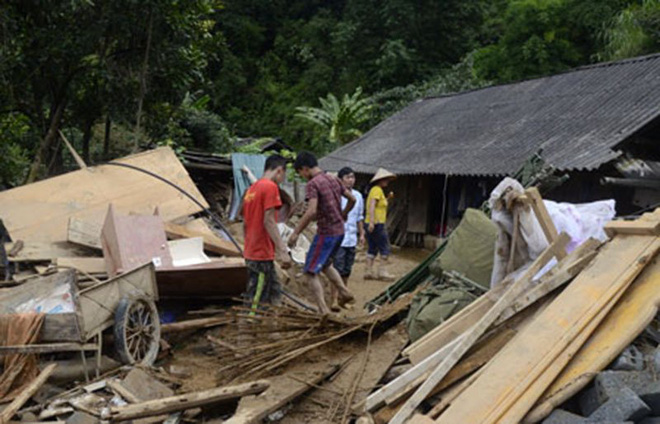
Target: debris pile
{"type": "Point", "coordinates": [540, 336]}
{"type": "Point", "coordinates": [523, 316]}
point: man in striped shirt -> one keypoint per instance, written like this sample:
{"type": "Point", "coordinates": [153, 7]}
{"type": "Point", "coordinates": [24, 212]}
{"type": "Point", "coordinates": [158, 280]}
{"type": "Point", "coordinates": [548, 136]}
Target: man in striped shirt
{"type": "Point", "coordinates": [323, 194]}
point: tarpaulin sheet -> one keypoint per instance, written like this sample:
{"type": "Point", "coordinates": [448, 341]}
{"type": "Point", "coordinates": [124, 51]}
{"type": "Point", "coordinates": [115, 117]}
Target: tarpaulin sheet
{"type": "Point", "coordinates": [470, 248]}
{"type": "Point", "coordinates": [241, 182]}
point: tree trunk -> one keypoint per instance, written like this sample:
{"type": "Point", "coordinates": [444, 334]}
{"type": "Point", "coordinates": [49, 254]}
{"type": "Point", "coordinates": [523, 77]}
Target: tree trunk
{"type": "Point", "coordinates": [47, 143]}
{"type": "Point", "coordinates": [87, 136]}
{"type": "Point", "coordinates": [106, 138]}
{"type": "Point", "coordinates": [143, 80]}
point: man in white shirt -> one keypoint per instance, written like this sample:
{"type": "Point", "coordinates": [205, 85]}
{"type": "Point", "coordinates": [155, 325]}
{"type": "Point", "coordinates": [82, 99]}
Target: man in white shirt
{"type": "Point", "coordinates": [353, 231]}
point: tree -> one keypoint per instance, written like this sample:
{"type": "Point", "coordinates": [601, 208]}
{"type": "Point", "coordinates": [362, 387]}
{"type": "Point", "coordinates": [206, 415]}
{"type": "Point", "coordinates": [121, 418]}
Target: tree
{"type": "Point", "coordinates": [542, 37]}
{"type": "Point", "coordinates": [74, 61]}
{"type": "Point", "coordinates": [340, 120]}
{"type": "Point", "coordinates": [634, 32]}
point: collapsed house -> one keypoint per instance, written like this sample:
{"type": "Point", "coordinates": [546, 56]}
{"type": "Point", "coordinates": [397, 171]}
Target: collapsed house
{"type": "Point", "coordinates": [598, 124]}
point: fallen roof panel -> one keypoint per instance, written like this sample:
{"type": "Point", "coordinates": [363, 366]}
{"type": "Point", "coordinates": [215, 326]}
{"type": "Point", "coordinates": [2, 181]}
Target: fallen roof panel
{"type": "Point", "coordinates": [41, 211]}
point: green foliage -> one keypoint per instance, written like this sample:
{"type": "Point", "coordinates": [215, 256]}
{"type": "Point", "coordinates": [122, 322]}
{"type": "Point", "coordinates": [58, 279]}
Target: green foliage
{"type": "Point", "coordinates": [634, 32]}
{"type": "Point", "coordinates": [339, 120]}
{"type": "Point", "coordinates": [205, 72]}
{"type": "Point", "coordinates": [542, 37]}
{"type": "Point", "coordinates": [14, 130]}
{"type": "Point", "coordinates": [91, 59]}
{"type": "Point", "coordinates": [191, 125]}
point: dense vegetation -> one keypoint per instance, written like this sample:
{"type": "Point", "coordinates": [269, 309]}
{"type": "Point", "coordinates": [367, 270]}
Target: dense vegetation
{"type": "Point", "coordinates": [115, 76]}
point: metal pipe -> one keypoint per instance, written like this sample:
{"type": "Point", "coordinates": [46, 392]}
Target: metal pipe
{"type": "Point", "coordinates": [631, 182]}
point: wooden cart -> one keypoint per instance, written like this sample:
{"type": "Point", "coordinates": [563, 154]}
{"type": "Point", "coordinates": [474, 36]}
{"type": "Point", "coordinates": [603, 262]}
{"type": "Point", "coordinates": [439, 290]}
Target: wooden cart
{"type": "Point", "coordinates": [126, 303]}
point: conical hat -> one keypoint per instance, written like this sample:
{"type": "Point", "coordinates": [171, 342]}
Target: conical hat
{"type": "Point", "coordinates": [382, 174]}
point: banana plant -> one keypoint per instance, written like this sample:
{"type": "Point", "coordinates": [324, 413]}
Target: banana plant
{"type": "Point", "coordinates": [340, 119]}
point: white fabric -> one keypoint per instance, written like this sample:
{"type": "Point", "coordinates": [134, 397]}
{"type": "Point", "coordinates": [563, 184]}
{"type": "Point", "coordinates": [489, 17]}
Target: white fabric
{"type": "Point", "coordinates": [299, 251]}
{"type": "Point", "coordinates": [354, 216]}
{"type": "Point", "coordinates": [579, 221]}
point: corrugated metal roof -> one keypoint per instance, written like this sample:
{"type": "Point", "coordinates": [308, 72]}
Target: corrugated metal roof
{"type": "Point", "coordinates": [577, 118]}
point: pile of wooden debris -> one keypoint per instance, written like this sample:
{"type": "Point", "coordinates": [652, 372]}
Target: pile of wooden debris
{"type": "Point", "coordinates": [527, 347]}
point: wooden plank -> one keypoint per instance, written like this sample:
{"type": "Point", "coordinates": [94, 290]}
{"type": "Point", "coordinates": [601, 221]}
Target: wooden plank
{"type": "Point", "coordinates": [87, 265]}
{"type": "Point", "coordinates": [572, 340]}
{"type": "Point", "coordinates": [640, 227]}
{"type": "Point", "coordinates": [183, 402]}
{"type": "Point", "coordinates": [41, 211]}
{"type": "Point", "coordinates": [457, 325]}
{"type": "Point", "coordinates": [10, 410]}
{"type": "Point", "coordinates": [538, 386]}
{"type": "Point", "coordinates": [60, 328]}
{"type": "Point", "coordinates": [449, 395]}
{"type": "Point", "coordinates": [84, 233]}
{"type": "Point", "coordinates": [420, 419]}
{"type": "Point", "coordinates": [40, 251]}
{"type": "Point", "coordinates": [194, 324]}
{"type": "Point", "coordinates": [212, 243]}
{"type": "Point", "coordinates": [81, 163]}
{"type": "Point", "coordinates": [544, 218]}
{"type": "Point", "coordinates": [47, 348]}
{"type": "Point", "coordinates": [628, 318]}
{"type": "Point", "coordinates": [507, 377]}
{"type": "Point", "coordinates": [481, 353]}
{"type": "Point", "coordinates": [478, 330]}
{"type": "Point", "coordinates": [283, 389]}
{"type": "Point", "coordinates": [122, 391]}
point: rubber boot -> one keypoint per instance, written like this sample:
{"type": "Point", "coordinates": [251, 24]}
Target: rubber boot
{"type": "Point", "coordinates": [369, 270]}
{"type": "Point", "coordinates": [383, 275]}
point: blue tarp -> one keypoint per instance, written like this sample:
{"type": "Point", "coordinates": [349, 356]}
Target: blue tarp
{"type": "Point", "coordinates": [241, 183]}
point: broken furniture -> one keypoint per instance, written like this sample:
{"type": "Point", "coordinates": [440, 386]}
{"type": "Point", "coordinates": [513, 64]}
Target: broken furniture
{"type": "Point", "coordinates": [76, 318]}
{"type": "Point", "coordinates": [136, 239]}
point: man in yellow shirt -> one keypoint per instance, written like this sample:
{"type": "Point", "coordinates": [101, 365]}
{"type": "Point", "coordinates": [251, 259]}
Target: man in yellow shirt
{"type": "Point", "coordinates": [376, 219]}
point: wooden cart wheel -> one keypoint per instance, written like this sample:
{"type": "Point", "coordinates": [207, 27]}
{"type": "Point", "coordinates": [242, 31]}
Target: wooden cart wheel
{"type": "Point", "coordinates": [137, 330]}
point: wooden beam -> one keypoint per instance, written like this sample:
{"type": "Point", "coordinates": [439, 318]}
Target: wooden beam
{"type": "Point", "coordinates": [85, 265]}
{"type": "Point", "coordinates": [25, 395]}
{"type": "Point", "coordinates": [47, 348]}
{"type": "Point", "coordinates": [81, 163]}
{"type": "Point", "coordinates": [212, 243]}
{"type": "Point", "coordinates": [253, 409]}
{"type": "Point", "coordinates": [507, 390]}
{"type": "Point", "coordinates": [183, 402]}
{"type": "Point", "coordinates": [42, 252]}
{"type": "Point", "coordinates": [629, 317]}
{"type": "Point", "coordinates": [194, 324]}
{"type": "Point", "coordinates": [478, 330]}
{"type": "Point", "coordinates": [451, 329]}
{"type": "Point", "coordinates": [639, 227]}
{"type": "Point", "coordinates": [122, 391]}
{"type": "Point", "coordinates": [544, 218]}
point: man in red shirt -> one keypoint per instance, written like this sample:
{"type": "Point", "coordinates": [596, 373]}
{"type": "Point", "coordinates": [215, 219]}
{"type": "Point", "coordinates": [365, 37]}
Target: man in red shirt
{"type": "Point", "coordinates": [263, 243]}
{"type": "Point", "coordinates": [323, 194]}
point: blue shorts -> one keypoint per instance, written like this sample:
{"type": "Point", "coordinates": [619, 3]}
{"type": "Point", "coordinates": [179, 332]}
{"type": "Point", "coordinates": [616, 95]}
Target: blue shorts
{"type": "Point", "coordinates": [378, 241]}
{"type": "Point", "coordinates": [343, 261]}
{"type": "Point", "coordinates": [321, 252]}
